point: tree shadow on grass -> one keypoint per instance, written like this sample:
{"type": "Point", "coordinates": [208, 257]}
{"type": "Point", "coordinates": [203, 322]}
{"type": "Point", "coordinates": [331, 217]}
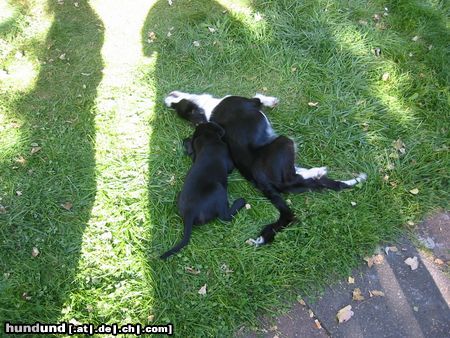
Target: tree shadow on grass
{"type": "Point", "coordinates": [300, 60]}
{"type": "Point", "coordinates": [57, 136]}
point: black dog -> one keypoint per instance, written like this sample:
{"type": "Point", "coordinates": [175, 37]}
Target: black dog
{"type": "Point", "coordinates": [204, 194]}
{"type": "Point", "coordinates": [262, 157]}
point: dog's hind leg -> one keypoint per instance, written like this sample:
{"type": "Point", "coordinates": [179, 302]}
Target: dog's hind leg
{"type": "Point", "coordinates": [286, 217]}
{"type": "Point", "coordinates": [300, 184]}
{"type": "Point", "coordinates": [227, 214]}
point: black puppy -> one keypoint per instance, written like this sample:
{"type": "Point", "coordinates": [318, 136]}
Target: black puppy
{"type": "Point", "coordinates": [204, 194]}
{"type": "Point", "coordinates": [264, 158]}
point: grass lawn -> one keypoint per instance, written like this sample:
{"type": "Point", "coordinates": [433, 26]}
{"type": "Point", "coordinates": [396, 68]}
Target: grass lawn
{"type": "Point", "coordinates": [91, 161]}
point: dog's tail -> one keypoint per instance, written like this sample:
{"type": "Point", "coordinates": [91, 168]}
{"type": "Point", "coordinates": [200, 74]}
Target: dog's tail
{"type": "Point", "coordinates": [188, 223]}
{"type": "Point", "coordinates": [300, 184]}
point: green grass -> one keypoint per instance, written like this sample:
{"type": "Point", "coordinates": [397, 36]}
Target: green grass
{"type": "Point", "coordinates": [111, 148]}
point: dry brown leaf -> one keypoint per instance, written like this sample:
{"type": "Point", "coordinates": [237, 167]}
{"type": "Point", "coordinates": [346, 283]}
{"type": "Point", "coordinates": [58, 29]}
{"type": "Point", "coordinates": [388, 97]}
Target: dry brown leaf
{"type": "Point", "coordinates": [35, 252]}
{"type": "Point", "coordinates": [375, 259]}
{"type": "Point", "coordinates": [351, 280]}
{"type": "Point", "coordinates": [376, 293]}
{"type": "Point", "coordinates": [345, 314]}
{"type": "Point", "coordinates": [21, 160]}
{"type": "Point", "coordinates": [150, 318]}
{"type": "Point", "coordinates": [412, 262]}
{"type": "Point", "coordinates": [191, 270]}
{"type": "Point", "coordinates": [313, 104]}
{"type": "Point", "coordinates": [357, 295]}
{"type": "Point", "coordinates": [414, 191]}
{"type": "Point", "coordinates": [67, 205]}
{"type": "Point", "coordinates": [202, 290]}
{"type": "Point", "coordinates": [311, 314]}
{"type": "Point", "coordinates": [301, 301]}
{"type": "Point", "coordinates": [318, 325]}
{"type": "Point", "coordinates": [439, 261]}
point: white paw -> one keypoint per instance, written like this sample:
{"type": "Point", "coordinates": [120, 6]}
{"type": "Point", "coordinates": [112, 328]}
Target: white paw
{"type": "Point", "coordinates": [319, 172]}
{"type": "Point", "coordinates": [174, 97]}
{"type": "Point", "coordinates": [268, 101]}
{"type": "Point", "coordinates": [361, 177]}
{"type": "Point", "coordinates": [256, 242]}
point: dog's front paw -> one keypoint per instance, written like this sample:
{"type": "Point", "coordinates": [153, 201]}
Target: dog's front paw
{"type": "Point", "coordinates": [267, 101]}
{"type": "Point", "coordinates": [256, 242]}
{"type": "Point", "coordinates": [173, 97]}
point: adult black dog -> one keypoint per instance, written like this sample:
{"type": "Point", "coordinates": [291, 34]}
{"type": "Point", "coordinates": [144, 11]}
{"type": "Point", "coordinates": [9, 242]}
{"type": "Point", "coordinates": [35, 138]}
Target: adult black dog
{"type": "Point", "coordinates": [262, 157]}
{"type": "Point", "coordinates": [204, 194]}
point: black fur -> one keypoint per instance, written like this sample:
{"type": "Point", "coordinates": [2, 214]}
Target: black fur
{"type": "Point", "coordinates": [204, 194]}
{"type": "Point", "coordinates": [263, 158]}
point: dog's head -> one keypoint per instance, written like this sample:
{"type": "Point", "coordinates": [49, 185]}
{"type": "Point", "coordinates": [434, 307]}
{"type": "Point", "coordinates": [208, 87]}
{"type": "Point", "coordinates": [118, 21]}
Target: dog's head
{"type": "Point", "coordinates": [205, 133]}
{"type": "Point", "coordinates": [185, 107]}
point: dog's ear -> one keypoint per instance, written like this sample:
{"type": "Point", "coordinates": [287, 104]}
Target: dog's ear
{"type": "Point", "coordinates": [219, 130]}
{"type": "Point", "coordinates": [189, 147]}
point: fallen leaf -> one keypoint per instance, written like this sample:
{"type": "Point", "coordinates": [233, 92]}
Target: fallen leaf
{"type": "Point", "coordinates": [363, 22]}
{"type": "Point", "coordinates": [191, 270]}
{"type": "Point", "coordinates": [412, 262]}
{"type": "Point", "coordinates": [211, 29]}
{"type": "Point", "coordinates": [415, 308]}
{"type": "Point", "coordinates": [62, 56]}
{"type": "Point", "coordinates": [345, 314]}
{"type": "Point", "coordinates": [410, 223]}
{"type": "Point", "coordinates": [377, 51]}
{"type": "Point", "coordinates": [357, 295]}
{"type": "Point", "coordinates": [248, 206]}
{"type": "Point", "coordinates": [34, 150]}
{"type": "Point", "coordinates": [75, 322]}
{"type": "Point", "coordinates": [225, 268]}
{"type": "Point", "coordinates": [293, 69]}
{"type": "Point", "coordinates": [35, 252]}
{"type": "Point", "coordinates": [202, 290]}
{"type": "Point", "coordinates": [21, 160]}
{"type": "Point", "coordinates": [385, 76]}
{"type": "Point", "coordinates": [316, 321]}
{"type": "Point", "coordinates": [376, 17]}
{"type": "Point", "coordinates": [351, 280]}
{"type": "Point", "coordinates": [353, 203]}
{"type": "Point", "coordinates": [150, 318]}
{"type": "Point", "coordinates": [311, 314]}
{"type": "Point", "coordinates": [376, 293]}
{"type": "Point", "coordinates": [151, 37]}
{"type": "Point", "coordinates": [170, 2]}
{"type": "Point", "coordinates": [301, 301]}
{"type": "Point", "coordinates": [26, 296]}
{"type": "Point", "coordinates": [415, 38]}
{"type": "Point", "coordinates": [76, 4]}
{"type": "Point", "coordinates": [196, 43]}
{"type": "Point", "coordinates": [390, 248]}
{"type": "Point", "coordinates": [288, 202]}
{"type": "Point", "coordinates": [375, 259]}
{"type": "Point", "coordinates": [67, 205]}
{"type": "Point", "coordinates": [399, 146]}
{"type": "Point", "coordinates": [414, 191]}
{"type": "Point", "coordinates": [18, 193]}
{"type": "Point", "coordinates": [439, 261]}
{"type": "Point", "coordinates": [313, 104]}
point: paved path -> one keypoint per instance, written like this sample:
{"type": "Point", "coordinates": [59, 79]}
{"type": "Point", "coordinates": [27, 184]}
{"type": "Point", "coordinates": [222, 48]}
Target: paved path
{"type": "Point", "coordinates": [415, 303]}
